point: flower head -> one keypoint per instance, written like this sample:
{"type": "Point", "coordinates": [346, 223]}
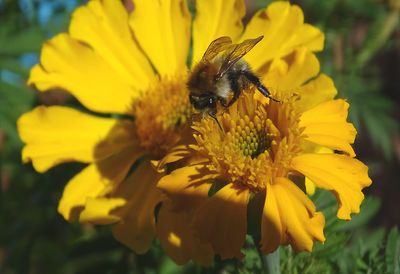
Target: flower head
{"type": "Point", "coordinates": [129, 70]}
{"type": "Point", "coordinates": [265, 151]}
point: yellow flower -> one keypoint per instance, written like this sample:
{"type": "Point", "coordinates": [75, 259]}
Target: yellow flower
{"type": "Point", "coordinates": [129, 70]}
{"type": "Point", "coordinates": [255, 167]}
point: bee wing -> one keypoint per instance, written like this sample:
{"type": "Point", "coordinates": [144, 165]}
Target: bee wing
{"type": "Point", "coordinates": [217, 46]}
{"type": "Point", "coordinates": [234, 53]}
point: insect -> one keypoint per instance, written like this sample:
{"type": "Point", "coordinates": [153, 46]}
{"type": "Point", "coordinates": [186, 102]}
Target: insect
{"type": "Point", "coordinates": [221, 76]}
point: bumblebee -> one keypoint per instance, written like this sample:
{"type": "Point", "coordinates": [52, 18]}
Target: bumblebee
{"type": "Point", "coordinates": [221, 76]}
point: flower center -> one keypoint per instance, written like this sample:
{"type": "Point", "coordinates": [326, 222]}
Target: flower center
{"type": "Point", "coordinates": [249, 138]}
{"type": "Point", "coordinates": [256, 144]}
{"type": "Point", "coordinates": [161, 114]}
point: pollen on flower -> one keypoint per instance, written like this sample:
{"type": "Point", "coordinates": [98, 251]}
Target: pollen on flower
{"type": "Point", "coordinates": [251, 138]}
{"type": "Point", "coordinates": [257, 142]}
{"type": "Point", "coordinates": [161, 114]}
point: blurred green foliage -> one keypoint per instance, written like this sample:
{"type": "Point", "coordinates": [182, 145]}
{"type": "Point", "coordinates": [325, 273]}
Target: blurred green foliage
{"type": "Point", "coordinates": [356, 34]}
{"type": "Point", "coordinates": [35, 239]}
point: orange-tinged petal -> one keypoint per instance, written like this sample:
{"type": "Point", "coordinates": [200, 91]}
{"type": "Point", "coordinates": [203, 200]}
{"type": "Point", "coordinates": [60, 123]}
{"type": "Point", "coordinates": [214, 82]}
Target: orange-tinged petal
{"type": "Point", "coordinates": [70, 65]}
{"type": "Point", "coordinates": [137, 226]}
{"type": "Point", "coordinates": [284, 30]}
{"type": "Point", "coordinates": [96, 180]}
{"type": "Point", "coordinates": [295, 217]}
{"type": "Point", "coordinates": [343, 175]}
{"type": "Point", "coordinates": [326, 125]}
{"type": "Point", "coordinates": [187, 187]}
{"type": "Point", "coordinates": [98, 211]}
{"type": "Point", "coordinates": [222, 221]}
{"type": "Point", "coordinates": [178, 239]}
{"type": "Point", "coordinates": [163, 30]}
{"type": "Point", "coordinates": [104, 26]}
{"type": "Point", "coordinates": [215, 19]}
{"type": "Point", "coordinates": [55, 135]}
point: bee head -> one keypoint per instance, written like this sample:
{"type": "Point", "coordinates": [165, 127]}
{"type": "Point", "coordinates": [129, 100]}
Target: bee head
{"type": "Point", "coordinates": [202, 102]}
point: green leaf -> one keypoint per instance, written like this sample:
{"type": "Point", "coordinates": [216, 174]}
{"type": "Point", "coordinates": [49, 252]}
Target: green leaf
{"type": "Point", "coordinates": [370, 241]}
{"type": "Point", "coordinates": [169, 267]}
{"type": "Point", "coordinates": [392, 252]}
{"type": "Point", "coordinates": [333, 244]}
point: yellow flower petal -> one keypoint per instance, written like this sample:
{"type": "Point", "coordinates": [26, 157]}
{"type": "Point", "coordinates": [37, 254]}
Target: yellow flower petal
{"type": "Point", "coordinates": [68, 64]}
{"type": "Point", "coordinates": [175, 154]}
{"type": "Point", "coordinates": [326, 125]}
{"type": "Point", "coordinates": [137, 227]}
{"type": "Point", "coordinates": [222, 221]}
{"type": "Point", "coordinates": [310, 186]}
{"type": "Point", "coordinates": [215, 19]}
{"type": "Point", "coordinates": [104, 26]}
{"type": "Point", "coordinates": [55, 135]}
{"type": "Point", "coordinates": [289, 211]}
{"type": "Point", "coordinates": [315, 92]}
{"type": "Point", "coordinates": [291, 73]}
{"type": "Point", "coordinates": [272, 233]}
{"type": "Point", "coordinates": [98, 211]}
{"type": "Point", "coordinates": [163, 30]}
{"type": "Point", "coordinates": [178, 240]}
{"type": "Point", "coordinates": [96, 180]}
{"type": "Point", "coordinates": [343, 175]}
{"type": "Point", "coordinates": [284, 30]}
{"type": "Point", "coordinates": [187, 186]}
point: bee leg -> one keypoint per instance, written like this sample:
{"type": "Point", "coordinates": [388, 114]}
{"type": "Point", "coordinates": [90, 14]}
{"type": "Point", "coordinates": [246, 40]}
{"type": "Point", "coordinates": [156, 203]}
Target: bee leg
{"type": "Point", "coordinates": [212, 115]}
{"type": "Point", "coordinates": [223, 103]}
{"type": "Point", "coordinates": [208, 102]}
{"type": "Point", "coordinates": [256, 81]}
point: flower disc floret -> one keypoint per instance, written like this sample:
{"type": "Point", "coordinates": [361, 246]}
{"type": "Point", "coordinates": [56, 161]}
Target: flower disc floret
{"type": "Point", "coordinates": [254, 143]}
{"type": "Point", "coordinates": [161, 113]}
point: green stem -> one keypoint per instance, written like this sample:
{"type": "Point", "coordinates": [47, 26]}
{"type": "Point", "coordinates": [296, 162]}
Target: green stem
{"type": "Point", "coordinates": [272, 263]}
